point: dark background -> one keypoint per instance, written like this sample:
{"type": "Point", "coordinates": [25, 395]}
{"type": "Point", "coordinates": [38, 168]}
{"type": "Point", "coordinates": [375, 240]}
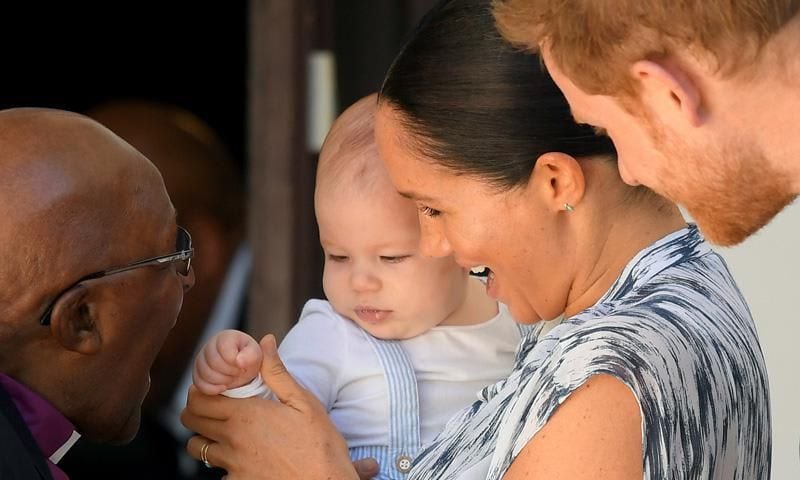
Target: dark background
{"type": "Point", "coordinates": [192, 55]}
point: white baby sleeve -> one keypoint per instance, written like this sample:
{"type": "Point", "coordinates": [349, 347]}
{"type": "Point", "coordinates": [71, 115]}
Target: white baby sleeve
{"type": "Point", "coordinates": [256, 388]}
{"type": "Point", "coordinates": [313, 353]}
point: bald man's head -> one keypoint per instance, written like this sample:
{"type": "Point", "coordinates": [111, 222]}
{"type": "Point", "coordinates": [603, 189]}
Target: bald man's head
{"type": "Point", "coordinates": [67, 185]}
{"type": "Point", "coordinates": [75, 199]}
{"type": "Point", "coordinates": [204, 183]}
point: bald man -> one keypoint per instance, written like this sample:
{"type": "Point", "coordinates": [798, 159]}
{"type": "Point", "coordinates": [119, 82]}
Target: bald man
{"type": "Point", "coordinates": [93, 273]}
{"type": "Point", "coordinates": [202, 179]}
{"type": "Point", "coordinates": [203, 183]}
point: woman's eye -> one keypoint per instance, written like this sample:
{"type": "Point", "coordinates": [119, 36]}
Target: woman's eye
{"type": "Point", "coordinates": [337, 258]}
{"type": "Point", "coordinates": [428, 211]}
{"type": "Point", "coordinates": [394, 259]}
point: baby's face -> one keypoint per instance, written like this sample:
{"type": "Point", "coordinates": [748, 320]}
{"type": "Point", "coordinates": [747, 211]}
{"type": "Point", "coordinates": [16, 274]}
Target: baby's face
{"type": "Point", "coordinates": [374, 273]}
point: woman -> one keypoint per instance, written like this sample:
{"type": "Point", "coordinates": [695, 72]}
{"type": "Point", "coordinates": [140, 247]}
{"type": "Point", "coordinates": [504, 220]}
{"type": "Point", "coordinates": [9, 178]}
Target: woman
{"type": "Point", "coordinates": [655, 370]}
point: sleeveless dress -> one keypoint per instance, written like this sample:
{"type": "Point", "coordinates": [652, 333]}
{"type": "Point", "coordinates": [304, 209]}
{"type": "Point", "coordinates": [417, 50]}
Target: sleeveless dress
{"type": "Point", "coordinates": [675, 329]}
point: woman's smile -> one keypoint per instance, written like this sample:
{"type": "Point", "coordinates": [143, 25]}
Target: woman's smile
{"type": "Point", "coordinates": [491, 284]}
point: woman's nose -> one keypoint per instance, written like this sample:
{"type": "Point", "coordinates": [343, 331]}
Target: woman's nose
{"type": "Point", "coordinates": [432, 242]}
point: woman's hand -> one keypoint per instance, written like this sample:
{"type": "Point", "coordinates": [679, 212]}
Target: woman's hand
{"type": "Point", "coordinates": [255, 438]}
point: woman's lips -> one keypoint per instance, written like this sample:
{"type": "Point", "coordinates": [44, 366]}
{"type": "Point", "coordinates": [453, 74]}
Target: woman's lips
{"type": "Point", "coordinates": [491, 286]}
{"type": "Point", "coordinates": [372, 315]}
{"type": "Point", "coordinates": [479, 271]}
{"type": "Point", "coordinates": [487, 273]}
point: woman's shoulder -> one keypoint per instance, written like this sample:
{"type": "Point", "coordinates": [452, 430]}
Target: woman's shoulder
{"type": "Point", "coordinates": [652, 338]}
{"type": "Point", "coordinates": [690, 309]}
{"type": "Point", "coordinates": [651, 347]}
{"type": "Point", "coordinates": [660, 362]}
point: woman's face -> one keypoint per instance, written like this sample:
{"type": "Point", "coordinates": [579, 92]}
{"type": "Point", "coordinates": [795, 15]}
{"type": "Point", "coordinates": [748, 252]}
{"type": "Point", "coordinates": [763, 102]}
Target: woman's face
{"type": "Point", "coordinates": [514, 233]}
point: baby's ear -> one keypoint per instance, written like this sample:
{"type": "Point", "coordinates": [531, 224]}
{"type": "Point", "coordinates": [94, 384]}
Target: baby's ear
{"type": "Point", "coordinates": [74, 322]}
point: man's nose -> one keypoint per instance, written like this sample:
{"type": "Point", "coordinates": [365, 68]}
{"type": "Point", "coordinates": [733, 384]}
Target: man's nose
{"type": "Point", "coordinates": [188, 280]}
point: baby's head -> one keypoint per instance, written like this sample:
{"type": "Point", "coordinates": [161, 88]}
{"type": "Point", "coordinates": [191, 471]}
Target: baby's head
{"type": "Point", "coordinates": [374, 273]}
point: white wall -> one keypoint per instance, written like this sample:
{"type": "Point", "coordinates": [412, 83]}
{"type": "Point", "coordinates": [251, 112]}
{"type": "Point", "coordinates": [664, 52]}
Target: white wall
{"type": "Point", "coordinates": [767, 268]}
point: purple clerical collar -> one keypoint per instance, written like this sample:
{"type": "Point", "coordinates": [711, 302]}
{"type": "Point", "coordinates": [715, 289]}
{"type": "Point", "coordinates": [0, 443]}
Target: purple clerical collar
{"type": "Point", "coordinates": [54, 434]}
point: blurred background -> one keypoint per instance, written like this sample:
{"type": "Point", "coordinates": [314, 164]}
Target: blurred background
{"type": "Point", "coordinates": [232, 100]}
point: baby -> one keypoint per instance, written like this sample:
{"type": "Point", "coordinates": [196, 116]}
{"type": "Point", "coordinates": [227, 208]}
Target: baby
{"type": "Point", "coordinates": [403, 342]}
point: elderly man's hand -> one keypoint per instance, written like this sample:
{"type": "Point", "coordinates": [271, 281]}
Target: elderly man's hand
{"type": "Point", "coordinates": [256, 438]}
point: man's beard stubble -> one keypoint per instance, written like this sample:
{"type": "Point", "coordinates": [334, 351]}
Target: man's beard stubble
{"type": "Point", "coordinates": [730, 191]}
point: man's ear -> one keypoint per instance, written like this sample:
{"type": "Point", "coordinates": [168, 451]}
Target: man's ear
{"type": "Point", "coordinates": [559, 179]}
{"type": "Point", "coordinates": [73, 322]}
{"type": "Point", "coordinates": [668, 90]}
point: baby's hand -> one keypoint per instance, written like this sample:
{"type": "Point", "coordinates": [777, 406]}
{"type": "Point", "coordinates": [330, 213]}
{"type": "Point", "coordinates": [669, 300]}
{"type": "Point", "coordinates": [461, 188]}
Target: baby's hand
{"type": "Point", "coordinates": [229, 360]}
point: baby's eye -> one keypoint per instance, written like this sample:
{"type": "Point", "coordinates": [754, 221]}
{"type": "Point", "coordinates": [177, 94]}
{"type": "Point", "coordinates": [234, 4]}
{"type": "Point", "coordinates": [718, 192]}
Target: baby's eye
{"type": "Point", "coordinates": [337, 258]}
{"type": "Point", "coordinates": [394, 258]}
{"type": "Point", "coordinates": [428, 211]}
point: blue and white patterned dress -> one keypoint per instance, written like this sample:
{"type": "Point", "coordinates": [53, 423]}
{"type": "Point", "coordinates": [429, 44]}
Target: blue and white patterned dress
{"type": "Point", "coordinates": [674, 328]}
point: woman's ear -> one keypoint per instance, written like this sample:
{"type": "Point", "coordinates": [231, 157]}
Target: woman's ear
{"type": "Point", "coordinates": [559, 179]}
{"type": "Point", "coordinates": [73, 322]}
{"type": "Point", "coordinates": [669, 92]}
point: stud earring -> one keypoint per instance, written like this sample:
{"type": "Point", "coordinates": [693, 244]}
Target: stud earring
{"type": "Point", "coordinates": [569, 208]}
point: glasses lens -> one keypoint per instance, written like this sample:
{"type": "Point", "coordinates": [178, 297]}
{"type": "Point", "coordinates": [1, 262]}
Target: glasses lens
{"type": "Point", "coordinates": [183, 241]}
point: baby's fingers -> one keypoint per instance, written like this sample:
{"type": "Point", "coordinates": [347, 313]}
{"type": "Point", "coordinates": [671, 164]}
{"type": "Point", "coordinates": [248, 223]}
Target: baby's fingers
{"type": "Point", "coordinates": [249, 358]}
{"type": "Point", "coordinates": [221, 357]}
{"type": "Point", "coordinates": [230, 344]}
{"type": "Point", "coordinates": [207, 380]}
{"type": "Point", "coordinates": [217, 372]}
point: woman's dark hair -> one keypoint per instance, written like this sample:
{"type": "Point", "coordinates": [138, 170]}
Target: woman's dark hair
{"type": "Point", "coordinates": [476, 105]}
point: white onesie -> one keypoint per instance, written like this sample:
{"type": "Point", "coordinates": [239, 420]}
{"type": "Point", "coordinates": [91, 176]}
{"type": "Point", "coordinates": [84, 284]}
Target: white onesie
{"type": "Point", "coordinates": [389, 398]}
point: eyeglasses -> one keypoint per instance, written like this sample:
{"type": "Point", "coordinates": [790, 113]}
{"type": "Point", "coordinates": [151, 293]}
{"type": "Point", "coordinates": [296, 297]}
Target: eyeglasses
{"type": "Point", "coordinates": [182, 257]}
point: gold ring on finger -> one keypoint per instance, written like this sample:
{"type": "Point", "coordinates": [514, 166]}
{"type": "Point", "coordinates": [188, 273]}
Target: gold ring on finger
{"type": "Point", "coordinates": [204, 455]}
